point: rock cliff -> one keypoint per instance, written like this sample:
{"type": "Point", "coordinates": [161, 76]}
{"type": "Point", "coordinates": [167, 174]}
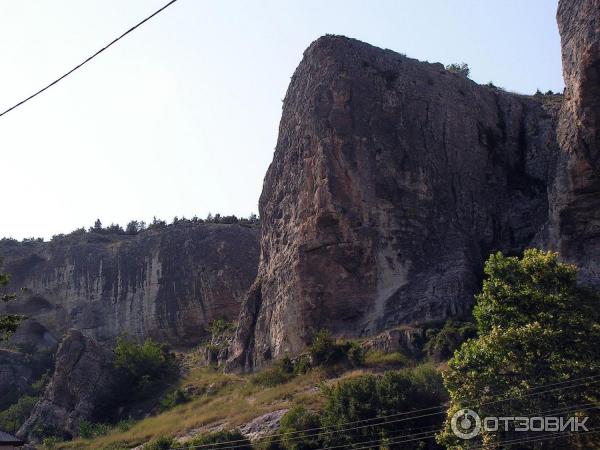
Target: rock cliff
{"type": "Point", "coordinates": [167, 284]}
{"type": "Point", "coordinates": [83, 379]}
{"type": "Point", "coordinates": [576, 198]}
{"type": "Point", "coordinates": [394, 179]}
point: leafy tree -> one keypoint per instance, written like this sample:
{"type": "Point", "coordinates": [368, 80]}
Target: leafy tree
{"type": "Point", "coordinates": [97, 228]}
{"type": "Point", "coordinates": [370, 396]}
{"type": "Point", "coordinates": [537, 327]}
{"type": "Point", "coordinates": [8, 322]}
{"type": "Point", "coordinates": [461, 69]}
{"type": "Point", "coordinates": [144, 368]}
{"type": "Point", "coordinates": [442, 343]}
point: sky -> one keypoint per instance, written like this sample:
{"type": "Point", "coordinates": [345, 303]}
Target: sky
{"type": "Point", "coordinates": [180, 118]}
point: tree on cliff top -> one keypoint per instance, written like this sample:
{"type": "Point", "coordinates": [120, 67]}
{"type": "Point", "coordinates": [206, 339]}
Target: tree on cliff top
{"type": "Point", "coordinates": [537, 328]}
{"type": "Point", "coordinates": [8, 322]}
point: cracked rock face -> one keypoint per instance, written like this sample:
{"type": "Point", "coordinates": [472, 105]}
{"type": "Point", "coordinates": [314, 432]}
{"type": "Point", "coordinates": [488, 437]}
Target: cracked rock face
{"type": "Point", "coordinates": [83, 378]}
{"type": "Point", "coordinates": [393, 180]}
{"type": "Point", "coordinates": [576, 201]}
{"type": "Point", "coordinates": [166, 284]}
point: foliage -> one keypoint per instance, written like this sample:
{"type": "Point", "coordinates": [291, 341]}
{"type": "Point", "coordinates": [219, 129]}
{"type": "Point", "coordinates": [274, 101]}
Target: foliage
{"type": "Point", "coordinates": [325, 351]}
{"type": "Point", "coordinates": [220, 327]}
{"type": "Point", "coordinates": [370, 396]}
{"type": "Point", "coordinates": [280, 372]}
{"type": "Point", "coordinates": [8, 322]}
{"type": "Point", "coordinates": [162, 443]}
{"type": "Point", "coordinates": [461, 69]}
{"type": "Point", "coordinates": [537, 326]}
{"type": "Point", "coordinates": [145, 368]}
{"type": "Point", "coordinates": [172, 399]}
{"type": "Point", "coordinates": [441, 343]}
{"type": "Point", "coordinates": [89, 430]}
{"type": "Point", "coordinates": [16, 414]}
{"type": "Point", "coordinates": [220, 437]}
{"type": "Point", "coordinates": [379, 358]}
{"type": "Point", "coordinates": [297, 429]}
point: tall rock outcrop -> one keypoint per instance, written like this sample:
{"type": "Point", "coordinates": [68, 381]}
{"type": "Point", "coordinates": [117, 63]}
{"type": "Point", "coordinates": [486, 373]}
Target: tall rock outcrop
{"type": "Point", "coordinates": [82, 382]}
{"type": "Point", "coordinates": [394, 179]}
{"type": "Point", "coordinates": [576, 201]}
{"type": "Point", "coordinates": [167, 284]}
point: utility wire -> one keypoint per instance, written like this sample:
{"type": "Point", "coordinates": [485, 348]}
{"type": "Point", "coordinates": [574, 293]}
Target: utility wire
{"type": "Point", "coordinates": [592, 380]}
{"type": "Point", "coordinates": [114, 41]}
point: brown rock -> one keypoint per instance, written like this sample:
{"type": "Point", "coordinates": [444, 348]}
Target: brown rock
{"type": "Point", "coordinates": [392, 181]}
{"type": "Point", "coordinates": [575, 230]}
{"type": "Point", "coordinates": [82, 382]}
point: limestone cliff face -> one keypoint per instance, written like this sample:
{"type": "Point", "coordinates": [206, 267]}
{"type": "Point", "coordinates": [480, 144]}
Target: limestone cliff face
{"type": "Point", "coordinates": [394, 179]}
{"type": "Point", "coordinates": [166, 284]}
{"type": "Point", "coordinates": [576, 201]}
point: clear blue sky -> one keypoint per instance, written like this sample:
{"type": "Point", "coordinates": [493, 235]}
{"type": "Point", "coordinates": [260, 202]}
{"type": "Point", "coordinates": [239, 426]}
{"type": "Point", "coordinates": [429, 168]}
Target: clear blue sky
{"type": "Point", "coordinates": [181, 117]}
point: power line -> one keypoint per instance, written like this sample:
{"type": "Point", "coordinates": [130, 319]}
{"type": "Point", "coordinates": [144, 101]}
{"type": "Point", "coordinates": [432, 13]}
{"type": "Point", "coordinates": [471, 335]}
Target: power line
{"type": "Point", "coordinates": [114, 41]}
{"type": "Point", "coordinates": [443, 409]}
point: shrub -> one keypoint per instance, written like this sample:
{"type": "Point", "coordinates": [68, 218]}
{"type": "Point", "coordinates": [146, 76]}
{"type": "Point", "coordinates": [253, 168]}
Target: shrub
{"type": "Point", "coordinates": [461, 69]}
{"type": "Point", "coordinates": [145, 368]}
{"type": "Point", "coordinates": [280, 372]}
{"type": "Point", "coordinates": [221, 437]}
{"type": "Point", "coordinates": [162, 443]}
{"type": "Point", "coordinates": [297, 428]}
{"type": "Point", "coordinates": [370, 396]}
{"type": "Point", "coordinates": [125, 425]}
{"type": "Point", "coordinates": [89, 430]}
{"type": "Point", "coordinates": [172, 399]}
{"type": "Point", "coordinates": [442, 343]}
{"type": "Point", "coordinates": [325, 351]}
{"type": "Point", "coordinates": [16, 414]}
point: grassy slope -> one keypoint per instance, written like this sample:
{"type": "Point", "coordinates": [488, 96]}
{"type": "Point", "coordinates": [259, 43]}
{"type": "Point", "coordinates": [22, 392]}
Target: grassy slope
{"type": "Point", "coordinates": [231, 400]}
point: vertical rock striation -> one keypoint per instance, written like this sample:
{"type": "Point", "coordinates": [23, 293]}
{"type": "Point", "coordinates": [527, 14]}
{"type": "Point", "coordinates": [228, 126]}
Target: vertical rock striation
{"type": "Point", "coordinates": [576, 199]}
{"type": "Point", "coordinates": [167, 284]}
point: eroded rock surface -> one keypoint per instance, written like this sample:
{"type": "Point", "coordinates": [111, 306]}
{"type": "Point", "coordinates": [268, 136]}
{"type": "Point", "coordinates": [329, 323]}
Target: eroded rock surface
{"type": "Point", "coordinates": [167, 284]}
{"type": "Point", "coordinates": [576, 199]}
{"type": "Point", "coordinates": [393, 180]}
{"type": "Point", "coordinates": [83, 380]}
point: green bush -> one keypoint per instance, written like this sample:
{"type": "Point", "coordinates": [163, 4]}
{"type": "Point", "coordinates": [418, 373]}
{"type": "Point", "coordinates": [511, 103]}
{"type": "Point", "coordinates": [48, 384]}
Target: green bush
{"type": "Point", "coordinates": [461, 69]}
{"type": "Point", "coordinates": [144, 368]}
{"type": "Point", "coordinates": [125, 425]}
{"type": "Point", "coordinates": [280, 372]}
{"type": "Point", "coordinates": [370, 396]}
{"type": "Point", "coordinates": [325, 351]}
{"type": "Point", "coordinates": [441, 343]}
{"type": "Point", "coordinates": [221, 437]}
{"type": "Point", "coordinates": [297, 429]}
{"type": "Point", "coordinates": [89, 430]}
{"type": "Point", "coordinates": [16, 414]}
{"type": "Point", "coordinates": [219, 327]}
{"type": "Point", "coordinates": [172, 399]}
{"type": "Point", "coordinates": [162, 443]}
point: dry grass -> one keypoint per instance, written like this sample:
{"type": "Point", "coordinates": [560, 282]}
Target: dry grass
{"type": "Point", "coordinates": [227, 399]}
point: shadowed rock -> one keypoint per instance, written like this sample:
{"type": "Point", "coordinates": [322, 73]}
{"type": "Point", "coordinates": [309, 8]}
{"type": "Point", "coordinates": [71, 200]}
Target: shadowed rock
{"type": "Point", "coordinates": [82, 381]}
